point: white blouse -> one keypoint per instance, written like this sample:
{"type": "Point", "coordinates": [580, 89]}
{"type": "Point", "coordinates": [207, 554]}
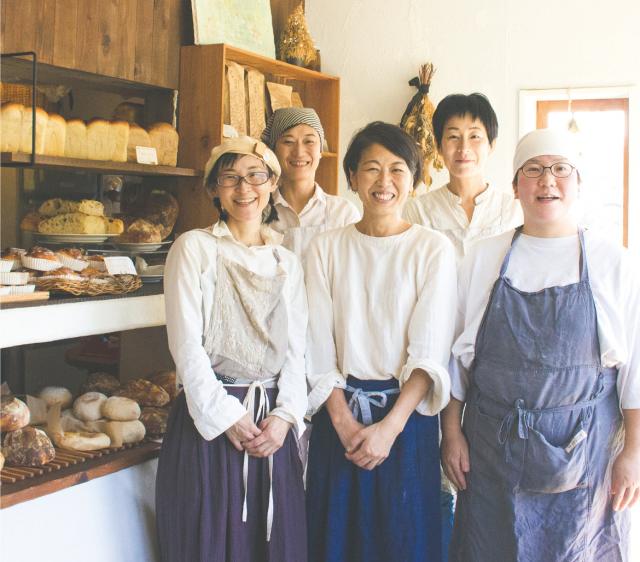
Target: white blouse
{"type": "Point", "coordinates": [538, 263]}
{"type": "Point", "coordinates": [495, 212]}
{"type": "Point", "coordinates": [380, 307]}
{"type": "Point", "coordinates": [189, 286]}
{"type": "Point", "coordinates": [322, 210]}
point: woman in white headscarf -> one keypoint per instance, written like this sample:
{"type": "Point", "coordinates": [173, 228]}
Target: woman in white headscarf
{"type": "Point", "coordinates": [547, 367]}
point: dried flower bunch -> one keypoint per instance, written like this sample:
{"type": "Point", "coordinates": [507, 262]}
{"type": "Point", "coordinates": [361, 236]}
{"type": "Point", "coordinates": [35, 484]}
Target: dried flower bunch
{"type": "Point", "coordinates": [295, 45]}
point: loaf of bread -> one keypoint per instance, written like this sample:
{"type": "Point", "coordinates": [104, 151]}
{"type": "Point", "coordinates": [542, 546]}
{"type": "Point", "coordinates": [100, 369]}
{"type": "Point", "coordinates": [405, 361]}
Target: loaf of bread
{"type": "Point", "coordinates": [31, 221]}
{"type": "Point", "coordinates": [137, 137]}
{"type": "Point", "coordinates": [128, 111]}
{"type": "Point", "coordinates": [41, 127]}
{"type": "Point", "coordinates": [76, 139]}
{"type": "Point", "coordinates": [144, 392]}
{"type": "Point", "coordinates": [55, 135]}
{"type": "Point", "coordinates": [120, 408]}
{"type": "Point", "coordinates": [88, 406]}
{"type": "Point", "coordinates": [122, 432]}
{"type": "Point", "coordinates": [28, 446]}
{"type": "Point", "coordinates": [141, 231]}
{"type": "Point", "coordinates": [164, 139]}
{"type": "Point", "coordinates": [58, 206]}
{"type": "Point", "coordinates": [73, 223]}
{"type": "Point", "coordinates": [81, 440]}
{"type": "Point", "coordinates": [14, 414]}
{"type": "Point", "coordinates": [56, 395]}
{"type": "Point", "coordinates": [69, 422]}
{"type": "Point", "coordinates": [100, 141]}
{"type": "Point", "coordinates": [161, 208]}
{"type": "Point", "coordinates": [114, 226]}
{"type": "Point", "coordinates": [119, 130]}
{"type": "Point", "coordinates": [1, 461]}
{"type": "Point", "coordinates": [11, 128]}
{"type": "Point", "coordinates": [101, 382]}
{"type": "Point", "coordinates": [155, 420]}
{"type": "Point", "coordinates": [166, 380]}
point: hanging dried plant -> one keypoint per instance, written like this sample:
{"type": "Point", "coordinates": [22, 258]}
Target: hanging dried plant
{"type": "Point", "coordinates": [417, 121]}
{"type": "Point", "coordinates": [295, 45]}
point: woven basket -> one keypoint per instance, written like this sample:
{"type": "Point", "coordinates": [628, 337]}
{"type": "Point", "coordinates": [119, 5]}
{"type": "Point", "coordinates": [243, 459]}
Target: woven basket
{"type": "Point", "coordinates": [87, 287]}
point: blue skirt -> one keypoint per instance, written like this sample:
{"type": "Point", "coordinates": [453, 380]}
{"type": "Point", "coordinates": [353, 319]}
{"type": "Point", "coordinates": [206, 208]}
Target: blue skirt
{"type": "Point", "coordinates": [388, 514]}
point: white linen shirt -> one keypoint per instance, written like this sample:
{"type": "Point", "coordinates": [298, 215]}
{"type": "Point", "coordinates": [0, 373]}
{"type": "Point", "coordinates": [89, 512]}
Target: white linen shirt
{"type": "Point", "coordinates": [538, 263]}
{"type": "Point", "coordinates": [189, 286]}
{"type": "Point", "coordinates": [380, 307]}
{"type": "Point", "coordinates": [495, 212]}
{"type": "Point", "coordinates": [328, 211]}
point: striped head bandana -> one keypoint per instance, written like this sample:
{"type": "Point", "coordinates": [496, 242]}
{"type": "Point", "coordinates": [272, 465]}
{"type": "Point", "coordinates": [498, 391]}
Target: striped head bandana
{"type": "Point", "coordinates": [284, 119]}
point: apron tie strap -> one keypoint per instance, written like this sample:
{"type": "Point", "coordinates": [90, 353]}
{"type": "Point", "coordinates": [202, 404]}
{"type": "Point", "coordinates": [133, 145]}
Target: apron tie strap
{"type": "Point", "coordinates": [507, 424]}
{"type": "Point", "coordinates": [249, 403]}
{"type": "Point", "coordinates": [361, 401]}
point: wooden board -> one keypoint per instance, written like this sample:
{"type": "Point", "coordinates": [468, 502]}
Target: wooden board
{"type": "Point", "coordinates": [35, 296]}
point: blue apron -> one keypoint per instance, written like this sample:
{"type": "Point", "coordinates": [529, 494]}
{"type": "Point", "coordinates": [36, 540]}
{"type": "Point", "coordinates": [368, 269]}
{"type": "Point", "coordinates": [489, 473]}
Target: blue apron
{"type": "Point", "coordinates": [542, 422]}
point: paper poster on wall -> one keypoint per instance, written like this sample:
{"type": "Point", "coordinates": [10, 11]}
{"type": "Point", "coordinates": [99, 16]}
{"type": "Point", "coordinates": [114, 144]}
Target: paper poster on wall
{"type": "Point", "coordinates": [245, 24]}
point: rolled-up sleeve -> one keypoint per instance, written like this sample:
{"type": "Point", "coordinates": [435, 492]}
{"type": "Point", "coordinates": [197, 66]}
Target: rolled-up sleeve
{"type": "Point", "coordinates": [213, 410]}
{"type": "Point", "coordinates": [431, 329]}
{"type": "Point", "coordinates": [323, 374]}
{"type": "Point", "coordinates": [291, 404]}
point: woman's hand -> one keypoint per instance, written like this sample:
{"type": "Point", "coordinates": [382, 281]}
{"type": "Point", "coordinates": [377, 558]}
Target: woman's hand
{"type": "Point", "coordinates": [243, 430]}
{"type": "Point", "coordinates": [347, 429]}
{"type": "Point", "coordinates": [274, 432]}
{"type": "Point", "coordinates": [370, 446]}
{"type": "Point", "coordinates": [625, 479]}
{"type": "Point", "coordinates": [454, 453]}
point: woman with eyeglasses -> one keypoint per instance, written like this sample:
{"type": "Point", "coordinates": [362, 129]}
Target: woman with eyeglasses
{"type": "Point", "coordinates": [229, 485]}
{"type": "Point", "coordinates": [381, 294]}
{"type": "Point", "coordinates": [546, 365]}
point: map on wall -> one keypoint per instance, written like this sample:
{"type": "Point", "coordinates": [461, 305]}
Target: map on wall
{"type": "Point", "coordinates": [245, 24]}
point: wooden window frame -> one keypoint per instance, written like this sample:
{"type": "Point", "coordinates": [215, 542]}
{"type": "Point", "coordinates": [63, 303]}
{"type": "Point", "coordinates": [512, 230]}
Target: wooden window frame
{"type": "Point", "coordinates": [544, 107]}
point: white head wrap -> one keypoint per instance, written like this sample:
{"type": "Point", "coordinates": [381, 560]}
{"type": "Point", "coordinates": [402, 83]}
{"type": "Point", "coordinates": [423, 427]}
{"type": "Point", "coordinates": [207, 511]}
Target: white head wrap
{"type": "Point", "coordinates": [285, 118]}
{"type": "Point", "coordinates": [552, 142]}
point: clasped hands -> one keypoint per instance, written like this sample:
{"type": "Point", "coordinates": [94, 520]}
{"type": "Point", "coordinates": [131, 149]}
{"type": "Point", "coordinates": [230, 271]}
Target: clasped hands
{"type": "Point", "coordinates": [366, 446]}
{"type": "Point", "coordinates": [259, 440]}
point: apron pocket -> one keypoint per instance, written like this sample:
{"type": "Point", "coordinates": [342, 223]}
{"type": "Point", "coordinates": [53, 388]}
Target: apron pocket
{"type": "Point", "coordinates": [551, 469]}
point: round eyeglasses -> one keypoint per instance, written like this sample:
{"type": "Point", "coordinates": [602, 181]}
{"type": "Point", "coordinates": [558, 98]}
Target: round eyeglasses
{"type": "Point", "coordinates": [559, 170]}
{"type": "Point", "coordinates": [234, 180]}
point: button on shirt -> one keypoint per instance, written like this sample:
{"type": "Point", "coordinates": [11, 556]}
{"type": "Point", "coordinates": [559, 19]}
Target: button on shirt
{"type": "Point", "coordinates": [495, 212]}
{"type": "Point", "coordinates": [189, 286]}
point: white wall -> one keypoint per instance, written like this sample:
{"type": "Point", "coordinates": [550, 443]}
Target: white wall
{"type": "Point", "coordinates": [493, 46]}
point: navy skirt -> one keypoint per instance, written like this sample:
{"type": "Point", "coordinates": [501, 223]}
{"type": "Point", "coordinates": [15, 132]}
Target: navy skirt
{"type": "Point", "coordinates": [388, 514]}
{"type": "Point", "coordinates": [199, 497]}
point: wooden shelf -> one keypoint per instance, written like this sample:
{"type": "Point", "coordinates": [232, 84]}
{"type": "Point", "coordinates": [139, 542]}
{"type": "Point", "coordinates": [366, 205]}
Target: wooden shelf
{"type": "Point", "coordinates": [61, 319]}
{"type": "Point", "coordinates": [82, 468]}
{"type": "Point", "coordinates": [77, 164]}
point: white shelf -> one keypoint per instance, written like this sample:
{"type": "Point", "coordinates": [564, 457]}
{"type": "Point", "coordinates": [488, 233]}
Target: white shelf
{"type": "Point", "coordinates": [36, 324]}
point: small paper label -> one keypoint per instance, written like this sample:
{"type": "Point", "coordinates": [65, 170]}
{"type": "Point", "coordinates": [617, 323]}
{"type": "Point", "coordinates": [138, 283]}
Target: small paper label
{"type": "Point", "coordinates": [146, 155]}
{"type": "Point", "coordinates": [577, 438]}
{"type": "Point", "coordinates": [120, 265]}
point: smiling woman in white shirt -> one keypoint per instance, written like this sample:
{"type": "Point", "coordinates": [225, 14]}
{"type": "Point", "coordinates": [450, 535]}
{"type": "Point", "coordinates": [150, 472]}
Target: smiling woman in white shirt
{"type": "Point", "coordinates": [229, 485]}
{"type": "Point", "coordinates": [296, 135]}
{"type": "Point", "coordinates": [547, 367]}
{"type": "Point", "coordinates": [468, 208]}
{"type": "Point", "coordinates": [381, 299]}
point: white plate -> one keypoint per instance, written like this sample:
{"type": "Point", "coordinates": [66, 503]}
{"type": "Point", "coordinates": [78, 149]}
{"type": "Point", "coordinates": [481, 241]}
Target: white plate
{"type": "Point", "coordinates": [66, 238]}
{"type": "Point", "coordinates": [139, 247]}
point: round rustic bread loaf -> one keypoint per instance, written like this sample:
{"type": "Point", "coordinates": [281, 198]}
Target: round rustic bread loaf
{"type": "Point", "coordinates": [101, 382]}
{"type": "Point", "coordinates": [82, 440]}
{"type": "Point", "coordinates": [166, 380]}
{"type": "Point", "coordinates": [28, 446]}
{"type": "Point", "coordinates": [56, 395]}
{"type": "Point", "coordinates": [88, 407]}
{"type": "Point", "coordinates": [68, 422]}
{"type": "Point", "coordinates": [155, 420]}
{"type": "Point", "coordinates": [121, 408]}
{"type": "Point", "coordinates": [14, 414]}
{"type": "Point", "coordinates": [144, 392]}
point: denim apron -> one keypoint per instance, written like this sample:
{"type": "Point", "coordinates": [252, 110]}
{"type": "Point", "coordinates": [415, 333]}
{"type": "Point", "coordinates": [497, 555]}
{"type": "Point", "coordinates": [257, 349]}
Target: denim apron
{"type": "Point", "coordinates": [543, 426]}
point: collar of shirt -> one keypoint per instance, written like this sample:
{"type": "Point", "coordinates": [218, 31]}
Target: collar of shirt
{"type": "Point", "coordinates": [270, 236]}
{"type": "Point", "coordinates": [480, 198]}
{"type": "Point", "coordinates": [319, 196]}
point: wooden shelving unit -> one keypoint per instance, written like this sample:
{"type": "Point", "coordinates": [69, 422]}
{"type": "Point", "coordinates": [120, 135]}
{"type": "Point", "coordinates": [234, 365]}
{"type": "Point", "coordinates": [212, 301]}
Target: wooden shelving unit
{"type": "Point", "coordinates": [201, 113]}
{"type": "Point", "coordinates": [99, 166]}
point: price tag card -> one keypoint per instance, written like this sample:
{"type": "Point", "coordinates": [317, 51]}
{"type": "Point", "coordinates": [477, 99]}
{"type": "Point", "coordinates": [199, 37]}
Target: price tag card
{"type": "Point", "coordinates": [120, 265]}
{"type": "Point", "coordinates": [146, 155]}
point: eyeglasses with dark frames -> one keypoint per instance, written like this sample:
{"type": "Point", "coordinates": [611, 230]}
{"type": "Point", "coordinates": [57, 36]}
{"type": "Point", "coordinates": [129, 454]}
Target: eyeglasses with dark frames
{"type": "Point", "coordinates": [558, 169]}
{"type": "Point", "coordinates": [234, 180]}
